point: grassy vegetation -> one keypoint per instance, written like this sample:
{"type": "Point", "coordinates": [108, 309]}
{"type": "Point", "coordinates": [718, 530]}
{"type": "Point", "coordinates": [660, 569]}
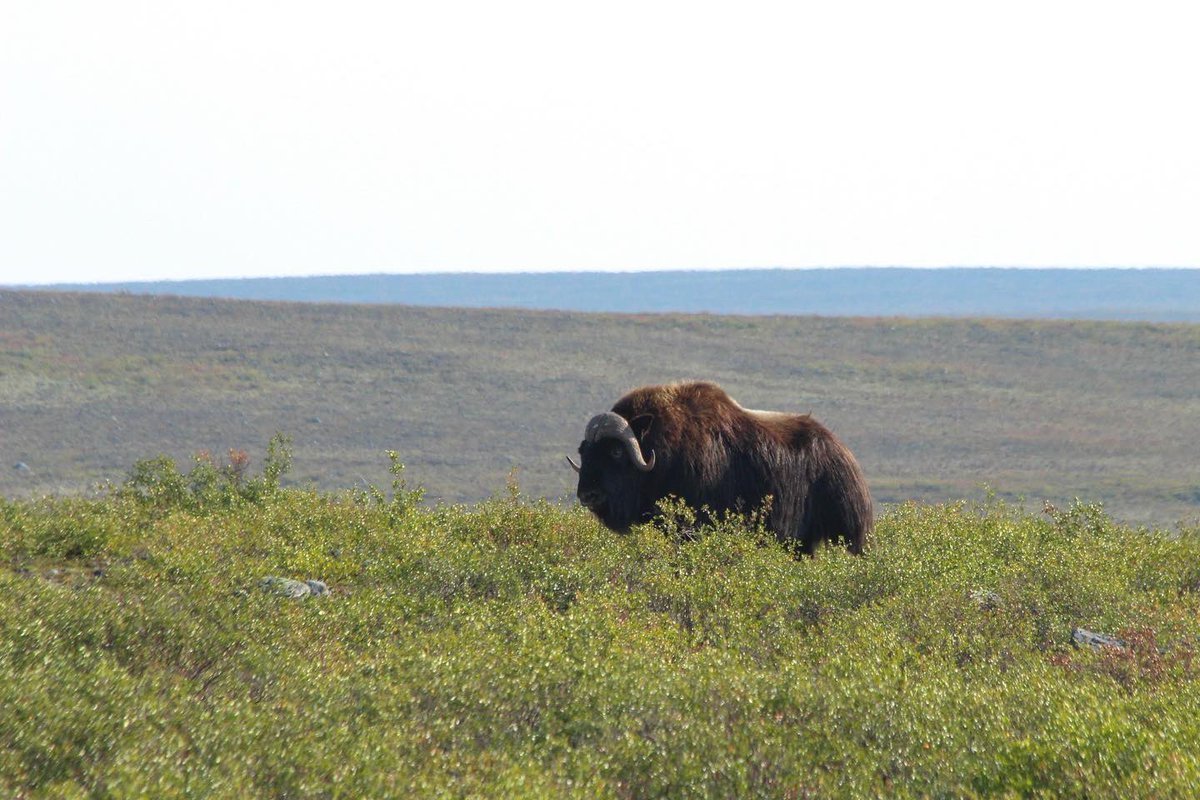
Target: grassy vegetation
{"type": "Point", "coordinates": [933, 408]}
{"type": "Point", "coordinates": [514, 649]}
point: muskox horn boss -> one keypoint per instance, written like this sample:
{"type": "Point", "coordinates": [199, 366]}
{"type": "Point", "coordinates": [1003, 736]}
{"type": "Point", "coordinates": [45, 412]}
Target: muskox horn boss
{"type": "Point", "coordinates": [613, 426]}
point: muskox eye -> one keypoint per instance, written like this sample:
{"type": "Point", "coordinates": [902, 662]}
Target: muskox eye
{"type": "Point", "coordinates": [615, 452]}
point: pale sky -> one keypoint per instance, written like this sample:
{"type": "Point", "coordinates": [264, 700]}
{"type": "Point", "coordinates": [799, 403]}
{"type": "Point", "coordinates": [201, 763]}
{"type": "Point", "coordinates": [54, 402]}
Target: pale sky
{"type": "Point", "coordinates": [163, 139]}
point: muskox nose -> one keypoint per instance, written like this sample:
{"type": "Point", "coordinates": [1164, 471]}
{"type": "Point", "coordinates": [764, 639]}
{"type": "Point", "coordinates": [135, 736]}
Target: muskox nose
{"type": "Point", "coordinates": [590, 497]}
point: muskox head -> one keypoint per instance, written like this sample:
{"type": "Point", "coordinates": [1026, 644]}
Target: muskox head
{"type": "Point", "coordinates": [611, 470]}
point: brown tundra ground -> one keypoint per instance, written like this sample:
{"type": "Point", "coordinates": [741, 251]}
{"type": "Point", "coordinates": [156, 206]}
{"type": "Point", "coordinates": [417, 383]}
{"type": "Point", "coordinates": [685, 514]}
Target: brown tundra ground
{"type": "Point", "coordinates": [935, 409]}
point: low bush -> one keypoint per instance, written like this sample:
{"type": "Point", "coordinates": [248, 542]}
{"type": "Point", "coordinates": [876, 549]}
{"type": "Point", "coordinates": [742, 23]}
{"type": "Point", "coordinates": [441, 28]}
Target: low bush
{"type": "Point", "coordinates": [517, 649]}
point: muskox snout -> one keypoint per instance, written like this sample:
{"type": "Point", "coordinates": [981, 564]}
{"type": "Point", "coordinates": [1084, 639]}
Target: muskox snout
{"type": "Point", "coordinates": [591, 498]}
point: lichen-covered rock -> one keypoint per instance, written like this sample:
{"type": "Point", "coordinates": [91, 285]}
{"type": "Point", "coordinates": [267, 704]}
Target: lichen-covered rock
{"type": "Point", "coordinates": [286, 587]}
{"type": "Point", "coordinates": [986, 600]}
{"type": "Point", "coordinates": [1096, 641]}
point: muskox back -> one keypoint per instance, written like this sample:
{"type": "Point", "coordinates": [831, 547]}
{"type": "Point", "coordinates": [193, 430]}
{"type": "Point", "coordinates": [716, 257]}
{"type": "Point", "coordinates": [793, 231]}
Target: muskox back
{"type": "Point", "coordinates": [714, 454]}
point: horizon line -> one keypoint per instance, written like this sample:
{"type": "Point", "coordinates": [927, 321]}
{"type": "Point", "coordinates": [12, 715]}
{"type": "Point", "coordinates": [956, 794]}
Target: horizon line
{"type": "Point", "coordinates": [617, 271]}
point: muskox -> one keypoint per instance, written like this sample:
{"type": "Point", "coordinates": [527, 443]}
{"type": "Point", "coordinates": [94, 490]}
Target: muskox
{"type": "Point", "coordinates": [694, 442]}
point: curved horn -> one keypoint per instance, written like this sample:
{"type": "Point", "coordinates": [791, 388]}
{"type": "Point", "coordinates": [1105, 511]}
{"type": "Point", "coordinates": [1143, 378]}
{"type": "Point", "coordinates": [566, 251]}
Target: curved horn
{"type": "Point", "coordinates": [574, 466]}
{"type": "Point", "coordinates": [614, 426]}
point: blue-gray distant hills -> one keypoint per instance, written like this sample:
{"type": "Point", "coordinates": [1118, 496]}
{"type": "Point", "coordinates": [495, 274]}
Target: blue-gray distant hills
{"type": "Point", "coordinates": [1161, 295]}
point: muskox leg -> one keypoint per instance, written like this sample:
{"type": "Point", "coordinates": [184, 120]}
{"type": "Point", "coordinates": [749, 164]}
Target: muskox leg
{"type": "Point", "coordinates": [797, 524]}
{"type": "Point", "coordinates": [810, 531]}
{"type": "Point", "coordinates": [834, 515]}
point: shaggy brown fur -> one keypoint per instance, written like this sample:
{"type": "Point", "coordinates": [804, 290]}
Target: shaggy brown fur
{"type": "Point", "coordinates": [712, 453]}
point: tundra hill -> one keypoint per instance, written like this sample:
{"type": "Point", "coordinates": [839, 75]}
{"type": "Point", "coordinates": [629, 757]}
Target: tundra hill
{"type": "Point", "coordinates": [1151, 295]}
{"type": "Point", "coordinates": [934, 409]}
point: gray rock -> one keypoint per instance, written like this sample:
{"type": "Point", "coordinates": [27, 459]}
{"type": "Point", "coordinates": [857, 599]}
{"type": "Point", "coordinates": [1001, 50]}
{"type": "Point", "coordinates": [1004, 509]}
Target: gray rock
{"type": "Point", "coordinates": [23, 468]}
{"type": "Point", "coordinates": [986, 600]}
{"type": "Point", "coordinates": [1096, 641]}
{"type": "Point", "coordinates": [286, 587]}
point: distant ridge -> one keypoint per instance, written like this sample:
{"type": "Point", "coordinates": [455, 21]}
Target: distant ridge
{"type": "Point", "coordinates": [1160, 295]}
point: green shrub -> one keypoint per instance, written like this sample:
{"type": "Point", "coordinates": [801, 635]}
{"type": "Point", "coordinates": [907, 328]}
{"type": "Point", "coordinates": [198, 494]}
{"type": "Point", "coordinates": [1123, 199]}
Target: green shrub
{"type": "Point", "coordinates": [70, 528]}
{"type": "Point", "coordinates": [157, 484]}
{"type": "Point", "coordinates": [518, 649]}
